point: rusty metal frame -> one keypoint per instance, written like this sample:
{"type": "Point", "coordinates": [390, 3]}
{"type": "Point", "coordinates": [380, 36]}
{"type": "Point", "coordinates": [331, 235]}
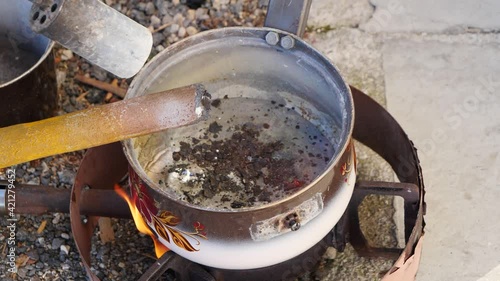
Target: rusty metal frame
{"type": "Point", "coordinates": [101, 168]}
{"type": "Point", "coordinates": [410, 194]}
{"type": "Point", "coordinates": [378, 130]}
{"type": "Point", "coordinates": [374, 126]}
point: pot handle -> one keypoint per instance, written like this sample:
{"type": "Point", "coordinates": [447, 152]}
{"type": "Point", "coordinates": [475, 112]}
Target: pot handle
{"type": "Point", "coordinates": [288, 15]}
{"type": "Point", "coordinates": [350, 220]}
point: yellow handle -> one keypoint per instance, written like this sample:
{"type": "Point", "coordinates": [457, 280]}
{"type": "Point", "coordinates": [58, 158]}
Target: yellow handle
{"type": "Point", "coordinates": [98, 125]}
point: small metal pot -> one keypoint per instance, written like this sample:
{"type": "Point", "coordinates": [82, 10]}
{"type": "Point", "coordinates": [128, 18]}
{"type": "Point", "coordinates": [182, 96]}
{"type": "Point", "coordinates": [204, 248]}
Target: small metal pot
{"type": "Point", "coordinates": [29, 93]}
{"type": "Point", "coordinates": [259, 58]}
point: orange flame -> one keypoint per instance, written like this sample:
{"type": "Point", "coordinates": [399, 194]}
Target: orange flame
{"type": "Point", "coordinates": [140, 224]}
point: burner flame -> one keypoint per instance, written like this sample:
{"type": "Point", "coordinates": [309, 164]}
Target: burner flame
{"type": "Point", "coordinates": [140, 224]}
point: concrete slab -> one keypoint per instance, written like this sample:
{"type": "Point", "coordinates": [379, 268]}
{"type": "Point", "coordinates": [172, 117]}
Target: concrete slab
{"type": "Point", "coordinates": [433, 15]}
{"type": "Point", "coordinates": [447, 97]}
{"type": "Point", "coordinates": [357, 55]}
{"type": "Point", "coordinates": [339, 13]}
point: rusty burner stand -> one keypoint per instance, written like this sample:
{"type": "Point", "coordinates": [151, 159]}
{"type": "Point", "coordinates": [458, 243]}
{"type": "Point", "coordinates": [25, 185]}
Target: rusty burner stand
{"type": "Point", "coordinates": [93, 196]}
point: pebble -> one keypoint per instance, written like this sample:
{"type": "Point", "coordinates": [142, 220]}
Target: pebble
{"type": "Point", "coordinates": [20, 173]}
{"type": "Point", "coordinates": [57, 218]}
{"type": "Point", "coordinates": [65, 266]}
{"type": "Point", "coordinates": [67, 176]}
{"type": "Point", "coordinates": [150, 8]}
{"type": "Point", "coordinates": [172, 38]}
{"type": "Point", "coordinates": [158, 38]}
{"type": "Point", "coordinates": [65, 249]}
{"type": "Point", "coordinates": [44, 257]}
{"type": "Point", "coordinates": [191, 30]}
{"type": "Point", "coordinates": [155, 21]}
{"type": "Point", "coordinates": [95, 95]}
{"type": "Point", "coordinates": [33, 255]}
{"type": "Point", "coordinates": [182, 32]}
{"type": "Point", "coordinates": [141, 6]}
{"type": "Point", "coordinates": [57, 243]}
{"type": "Point", "coordinates": [102, 252]}
{"type": "Point", "coordinates": [99, 73]}
{"type": "Point", "coordinates": [138, 15]}
{"type": "Point", "coordinates": [21, 235]}
{"type": "Point", "coordinates": [35, 181]}
{"type": "Point", "coordinates": [174, 28]}
{"type": "Point", "coordinates": [176, 2]}
{"type": "Point", "coordinates": [167, 19]}
{"type": "Point", "coordinates": [162, 6]}
{"type": "Point", "coordinates": [191, 14]}
{"type": "Point", "coordinates": [220, 4]}
{"type": "Point", "coordinates": [21, 272]}
{"type": "Point", "coordinates": [330, 253]}
{"type": "Point", "coordinates": [39, 265]}
{"type": "Point", "coordinates": [100, 275]}
{"type": "Point", "coordinates": [65, 236]}
{"type": "Point", "coordinates": [45, 168]}
{"type": "Point", "coordinates": [200, 12]}
{"type": "Point", "coordinates": [66, 55]}
{"type": "Point", "coordinates": [121, 264]}
{"type": "Point", "coordinates": [186, 22]}
{"type": "Point", "coordinates": [41, 240]}
{"type": "Point", "coordinates": [178, 18]}
{"type": "Point", "coordinates": [45, 180]}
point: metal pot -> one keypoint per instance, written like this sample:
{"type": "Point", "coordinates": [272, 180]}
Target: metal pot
{"type": "Point", "coordinates": [270, 65]}
{"type": "Point", "coordinates": [27, 85]}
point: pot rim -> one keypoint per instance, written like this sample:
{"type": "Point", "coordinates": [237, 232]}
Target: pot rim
{"type": "Point", "coordinates": [343, 144]}
{"type": "Point", "coordinates": [25, 8]}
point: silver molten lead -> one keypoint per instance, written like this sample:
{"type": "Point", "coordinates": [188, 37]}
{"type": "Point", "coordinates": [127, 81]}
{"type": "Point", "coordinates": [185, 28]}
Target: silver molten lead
{"type": "Point", "coordinates": [94, 31]}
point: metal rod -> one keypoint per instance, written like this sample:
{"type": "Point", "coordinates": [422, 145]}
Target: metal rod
{"type": "Point", "coordinates": [288, 15]}
{"type": "Point", "coordinates": [103, 124]}
{"type": "Point", "coordinates": [104, 203]}
{"type": "Point", "coordinates": [37, 199]}
{"type": "Point", "coordinates": [159, 267]}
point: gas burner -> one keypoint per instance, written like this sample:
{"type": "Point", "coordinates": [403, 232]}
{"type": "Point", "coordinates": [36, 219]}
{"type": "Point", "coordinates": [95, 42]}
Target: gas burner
{"type": "Point", "coordinates": [92, 196]}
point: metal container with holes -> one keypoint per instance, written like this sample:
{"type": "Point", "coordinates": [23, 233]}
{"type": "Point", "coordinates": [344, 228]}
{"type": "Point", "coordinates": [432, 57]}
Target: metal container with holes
{"type": "Point", "coordinates": [241, 64]}
{"type": "Point", "coordinates": [27, 75]}
{"type": "Point", "coordinates": [95, 31]}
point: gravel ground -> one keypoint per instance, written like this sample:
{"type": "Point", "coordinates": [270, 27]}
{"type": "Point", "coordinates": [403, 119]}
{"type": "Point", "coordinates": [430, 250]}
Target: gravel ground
{"type": "Point", "coordinates": [51, 254]}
